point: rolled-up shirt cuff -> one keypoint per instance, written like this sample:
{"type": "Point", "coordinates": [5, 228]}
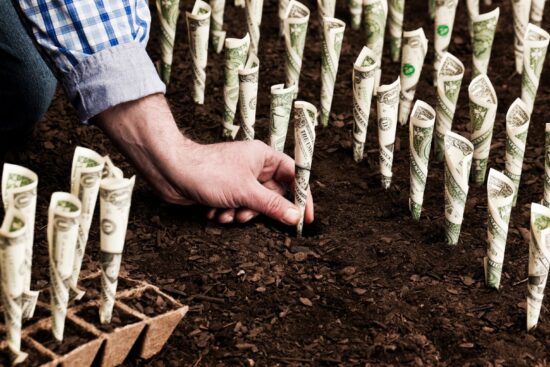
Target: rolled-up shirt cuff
{"type": "Point", "coordinates": [110, 77]}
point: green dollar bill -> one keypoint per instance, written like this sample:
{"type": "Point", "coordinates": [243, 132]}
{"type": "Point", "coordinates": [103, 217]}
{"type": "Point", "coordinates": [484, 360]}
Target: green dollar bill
{"type": "Point", "coordinates": [449, 80]}
{"type": "Point", "coordinates": [254, 11]}
{"type": "Point", "coordinates": [333, 35]}
{"type": "Point", "coordinates": [236, 51]}
{"type": "Point", "coordinates": [420, 140]}
{"type": "Point", "coordinates": [483, 110]}
{"type": "Point", "coordinates": [445, 11]}
{"type": "Point", "coordinates": [415, 47]}
{"type": "Point", "coordinates": [537, 10]}
{"type": "Point", "coordinates": [387, 107]}
{"type": "Point", "coordinates": [396, 12]}
{"type": "Point", "coordinates": [115, 200]}
{"type": "Point", "coordinates": [472, 7]}
{"type": "Point", "coordinates": [19, 189]}
{"type": "Point", "coordinates": [363, 85]}
{"type": "Point", "coordinates": [520, 11]}
{"type": "Point", "coordinates": [248, 95]}
{"type": "Point", "coordinates": [86, 174]}
{"type": "Point", "coordinates": [535, 46]}
{"type": "Point", "coordinates": [539, 262]}
{"type": "Point", "coordinates": [458, 161]}
{"type": "Point", "coordinates": [375, 14]}
{"type": "Point", "coordinates": [500, 195]}
{"type": "Point", "coordinates": [483, 34]}
{"type": "Point", "coordinates": [198, 27]}
{"type": "Point", "coordinates": [517, 126]}
{"type": "Point", "coordinates": [326, 9]}
{"type": "Point", "coordinates": [13, 233]}
{"type": "Point", "coordinates": [280, 107]}
{"type": "Point", "coordinates": [305, 120]}
{"type": "Point", "coordinates": [63, 222]}
{"type": "Point", "coordinates": [168, 12]}
{"type": "Point", "coordinates": [356, 12]}
{"type": "Point", "coordinates": [217, 34]}
{"type": "Point", "coordinates": [295, 31]}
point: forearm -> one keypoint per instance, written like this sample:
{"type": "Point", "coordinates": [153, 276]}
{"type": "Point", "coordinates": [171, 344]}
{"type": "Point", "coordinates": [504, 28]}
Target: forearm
{"type": "Point", "coordinates": [146, 133]}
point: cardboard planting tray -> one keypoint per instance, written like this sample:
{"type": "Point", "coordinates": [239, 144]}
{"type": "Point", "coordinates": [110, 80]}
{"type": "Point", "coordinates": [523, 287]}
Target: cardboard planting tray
{"type": "Point", "coordinates": [143, 319]}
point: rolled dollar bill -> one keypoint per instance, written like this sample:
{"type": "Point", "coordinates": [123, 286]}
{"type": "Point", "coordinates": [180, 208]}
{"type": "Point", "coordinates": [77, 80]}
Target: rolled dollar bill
{"type": "Point", "coordinates": [431, 8]}
{"type": "Point", "coordinates": [283, 4]}
{"type": "Point", "coordinates": [295, 31]}
{"type": "Point", "coordinates": [198, 25]}
{"type": "Point", "coordinates": [281, 105]}
{"type": "Point", "coordinates": [537, 10]}
{"type": "Point", "coordinates": [421, 131]}
{"type": "Point", "coordinates": [236, 51]}
{"type": "Point", "coordinates": [483, 110]}
{"type": "Point", "coordinates": [517, 127]}
{"type": "Point", "coordinates": [520, 11]}
{"type": "Point", "coordinates": [483, 34]}
{"type": "Point", "coordinates": [387, 107]}
{"type": "Point", "coordinates": [305, 120]}
{"type": "Point", "coordinates": [546, 199]}
{"type": "Point", "coordinates": [375, 14]}
{"type": "Point", "coordinates": [445, 11]}
{"type": "Point", "coordinates": [333, 35]}
{"type": "Point", "coordinates": [168, 12]}
{"type": "Point", "coordinates": [458, 161]}
{"type": "Point", "coordinates": [364, 70]}
{"type": "Point", "coordinates": [254, 11]}
{"type": "Point", "coordinates": [396, 12]}
{"type": "Point", "coordinates": [326, 9]}
{"type": "Point", "coordinates": [63, 222]}
{"type": "Point", "coordinates": [86, 173]}
{"type": "Point", "coordinates": [110, 170]}
{"type": "Point", "coordinates": [415, 47]}
{"type": "Point", "coordinates": [535, 46]}
{"type": "Point", "coordinates": [500, 194]}
{"type": "Point", "coordinates": [240, 3]}
{"type": "Point", "coordinates": [451, 71]}
{"type": "Point", "coordinates": [19, 189]}
{"type": "Point", "coordinates": [13, 233]}
{"type": "Point", "coordinates": [473, 10]}
{"type": "Point", "coordinates": [248, 94]}
{"type": "Point", "coordinates": [217, 34]}
{"type": "Point", "coordinates": [356, 12]}
{"type": "Point", "coordinates": [115, 199]}
{"type": "Point", "coordinates": [539, 262]}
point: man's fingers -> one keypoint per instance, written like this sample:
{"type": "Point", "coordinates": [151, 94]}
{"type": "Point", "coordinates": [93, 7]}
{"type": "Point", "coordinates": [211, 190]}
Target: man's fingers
{"type": "Point", "coordinates": [245, 215]}
{"type": "Point", "coordinates": [272, 204]}
{"type": "Point", "coordinates": [278, 166]}
{"type": "Point", "coordinates": [226, 216]}
{"type": "Point", "coordinates": [211, 213]}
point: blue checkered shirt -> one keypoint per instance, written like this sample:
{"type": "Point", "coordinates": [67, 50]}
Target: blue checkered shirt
{"type": "Point", "coordinates": [96, 48]}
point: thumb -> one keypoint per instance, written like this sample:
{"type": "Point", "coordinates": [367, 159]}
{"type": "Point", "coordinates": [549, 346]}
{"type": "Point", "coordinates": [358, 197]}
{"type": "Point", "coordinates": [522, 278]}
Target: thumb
{"type": "Point", "coordinates": [272, 204]}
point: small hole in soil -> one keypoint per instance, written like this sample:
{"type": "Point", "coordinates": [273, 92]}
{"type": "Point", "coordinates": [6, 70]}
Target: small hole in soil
{"type": "Point", "coordinates": [92, 287]}
{"type": "Point", "coordinates": [119, 319]}
{"type": "Point", "coordinates": [35, 358]}
{"type": "Point", "coordinates": [73, 337]}
{"type": "Point", "coordinates": [150, 303]}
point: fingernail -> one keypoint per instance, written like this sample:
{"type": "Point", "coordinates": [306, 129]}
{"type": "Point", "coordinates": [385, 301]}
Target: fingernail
{"type": "Point", "coordinates": [248, 217]}
{"type": "Point", "coordinates": [226, 219]}
{"type": "Point", "coordinates": [292, 216]}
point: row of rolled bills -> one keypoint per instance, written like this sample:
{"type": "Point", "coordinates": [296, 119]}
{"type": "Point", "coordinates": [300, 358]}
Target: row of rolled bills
{"type": "Point", "coordinates": [69, 220]}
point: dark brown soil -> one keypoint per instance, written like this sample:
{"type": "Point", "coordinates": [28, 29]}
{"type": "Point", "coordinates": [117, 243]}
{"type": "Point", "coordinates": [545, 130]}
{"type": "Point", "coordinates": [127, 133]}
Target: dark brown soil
{"type": "Point", "coordinates": [150, 303]}
{"type": "Point", "coordinates": [119, 318]}
{"type": "Point", "coordinates": [74, 336]}
{"type": "Point", "coordinates": [366, 285]}
{"type": "Point", "coordinates": [34, 359]}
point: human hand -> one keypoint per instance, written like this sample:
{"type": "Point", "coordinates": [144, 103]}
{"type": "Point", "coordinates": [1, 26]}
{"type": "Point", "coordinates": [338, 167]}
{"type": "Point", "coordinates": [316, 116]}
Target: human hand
{"type": "Point", "coordinates": [238, 180]}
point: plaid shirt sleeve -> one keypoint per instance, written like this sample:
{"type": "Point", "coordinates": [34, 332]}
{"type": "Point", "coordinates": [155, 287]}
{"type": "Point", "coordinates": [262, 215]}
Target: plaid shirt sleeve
{"type": "Point", "coordinates": [96, 48]}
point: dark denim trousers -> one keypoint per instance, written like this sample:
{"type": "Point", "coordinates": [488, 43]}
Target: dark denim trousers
{"type": "Point", "coordinates": [27, 85]}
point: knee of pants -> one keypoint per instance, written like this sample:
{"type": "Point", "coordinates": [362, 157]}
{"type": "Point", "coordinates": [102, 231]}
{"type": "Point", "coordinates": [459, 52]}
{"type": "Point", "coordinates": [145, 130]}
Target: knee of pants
{"type": "Point", "coordinates": [25, 97]}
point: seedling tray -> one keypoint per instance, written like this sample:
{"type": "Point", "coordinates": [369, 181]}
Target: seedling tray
{"type": "Point", "coordinates": [144, 318]}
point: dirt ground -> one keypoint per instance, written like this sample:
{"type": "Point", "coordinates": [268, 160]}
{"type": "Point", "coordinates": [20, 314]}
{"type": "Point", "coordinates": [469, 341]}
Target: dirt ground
{"type": "Point", "coordinates": [366, 285]}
